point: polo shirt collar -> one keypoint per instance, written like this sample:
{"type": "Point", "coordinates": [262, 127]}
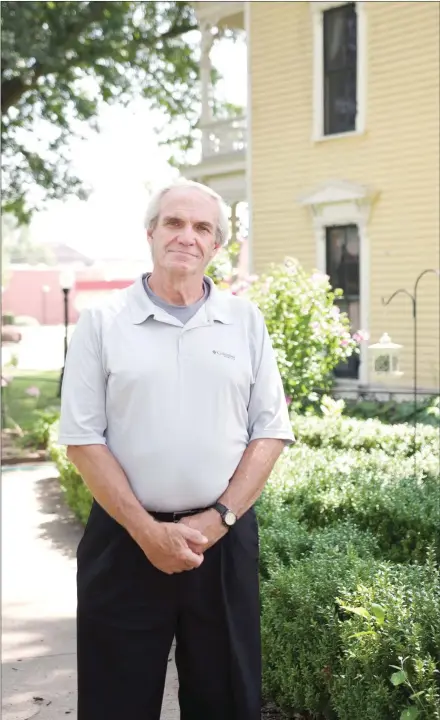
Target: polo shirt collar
{"type": "Point", "coordinates": [141, 307]}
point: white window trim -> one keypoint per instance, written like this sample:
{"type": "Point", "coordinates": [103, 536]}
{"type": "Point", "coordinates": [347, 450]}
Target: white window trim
{"type": "Point", "coordinates": [317, 9]}
{"type": "Point", "coordinates": [341, 203]}
{"type": "Point", "coordinates": [249, 194]}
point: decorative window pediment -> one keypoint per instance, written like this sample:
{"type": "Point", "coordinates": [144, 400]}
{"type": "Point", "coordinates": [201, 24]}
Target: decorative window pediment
{"type": "Point", "coordinates": [337, 191]}
{"type": "Point", "coordinates": [339, 202]}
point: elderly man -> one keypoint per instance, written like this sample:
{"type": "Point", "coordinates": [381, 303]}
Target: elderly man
{"type": "Point", "coordinates": [173, 412]}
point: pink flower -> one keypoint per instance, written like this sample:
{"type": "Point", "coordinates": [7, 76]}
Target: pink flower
{"type": "Point", "coordinates": [288, 399]}
{"type": "Point", "coordinates": [361, 335]}
{"type": "Point", "coordinates": [33, 391]}
{"type": "Point", "coordinates": [344, 342]}
{"type": "Point", "coordinates": [319, 277]}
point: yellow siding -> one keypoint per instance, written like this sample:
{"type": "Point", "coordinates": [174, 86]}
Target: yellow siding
{"type": "Point", "coordinates": [398, 155]}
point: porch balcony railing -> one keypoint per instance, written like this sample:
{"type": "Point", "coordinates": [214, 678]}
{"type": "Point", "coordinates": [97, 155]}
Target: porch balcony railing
{"type": "Point", "coordinates": [223, 137]}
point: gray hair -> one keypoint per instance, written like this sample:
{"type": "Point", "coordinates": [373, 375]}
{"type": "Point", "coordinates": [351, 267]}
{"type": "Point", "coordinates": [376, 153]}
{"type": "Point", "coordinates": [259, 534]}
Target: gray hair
{"type": "Point", "coordinates": [153, 209]}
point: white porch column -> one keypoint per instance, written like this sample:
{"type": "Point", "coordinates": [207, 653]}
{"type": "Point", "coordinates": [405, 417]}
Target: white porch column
{"type": "Point", "coordinates": [234, 222]}
{"type": "Point", "coordinates": [207, 40]}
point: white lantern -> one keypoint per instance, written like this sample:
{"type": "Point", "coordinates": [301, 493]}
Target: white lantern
{"type": "Point", "coordinates": [385, 357]}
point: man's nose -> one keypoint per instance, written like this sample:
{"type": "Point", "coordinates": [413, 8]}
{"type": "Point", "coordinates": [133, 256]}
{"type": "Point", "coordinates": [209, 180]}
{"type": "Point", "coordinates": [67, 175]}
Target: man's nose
{"type": "Point", "coordinates": [186, 235]}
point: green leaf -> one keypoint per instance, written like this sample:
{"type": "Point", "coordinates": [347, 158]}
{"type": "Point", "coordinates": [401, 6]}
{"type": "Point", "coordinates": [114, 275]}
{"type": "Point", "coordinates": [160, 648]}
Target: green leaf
{"type": "Point", "coordinates": [361, 634]}
{"type": "Point", "coordinates": [410, 713]}
{"type": "Point", "coordinates": [399, 677]}
{"type": "Point", "coordinates": [379, 613]}
{"type": "Point", "coordinates": [363, 612]}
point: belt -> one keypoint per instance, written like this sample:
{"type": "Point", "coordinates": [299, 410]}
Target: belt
{"type": "Point", "coordinates": [174, 516]}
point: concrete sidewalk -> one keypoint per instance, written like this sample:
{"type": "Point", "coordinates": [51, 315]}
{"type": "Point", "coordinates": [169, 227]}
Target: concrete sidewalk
{"type": "Point", "coordinates": [39, 539]}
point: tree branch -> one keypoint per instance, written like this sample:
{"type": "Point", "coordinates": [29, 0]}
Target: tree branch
{"type": "Point", "coordinates": [178, 30]}
{"type": "Point", "coordinates": [13, 89]}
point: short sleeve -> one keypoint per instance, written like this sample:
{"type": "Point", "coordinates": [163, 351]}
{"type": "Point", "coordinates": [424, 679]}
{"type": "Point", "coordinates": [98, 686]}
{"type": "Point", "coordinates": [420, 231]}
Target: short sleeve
{"type": "Point", "coordinates": [83, 417]}
{"type": "Point", "coordinates": [268, 412]}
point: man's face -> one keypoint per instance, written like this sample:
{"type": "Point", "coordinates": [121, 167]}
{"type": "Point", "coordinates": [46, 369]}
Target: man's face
{"type": "Point", "coordinates": [184, 239]}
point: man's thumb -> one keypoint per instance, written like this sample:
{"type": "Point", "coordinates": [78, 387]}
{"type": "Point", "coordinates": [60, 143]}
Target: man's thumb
{"type": "Point", "coordinates": [192, 534]}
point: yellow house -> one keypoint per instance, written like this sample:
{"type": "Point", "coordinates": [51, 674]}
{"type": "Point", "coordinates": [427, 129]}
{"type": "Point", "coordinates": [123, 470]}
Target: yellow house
{"type": "Point", "coordinates": [340, 159]}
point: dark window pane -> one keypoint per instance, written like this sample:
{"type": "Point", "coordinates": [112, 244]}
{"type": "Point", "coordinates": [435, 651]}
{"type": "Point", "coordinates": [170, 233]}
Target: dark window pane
{"type": "Point", "coordinates": [340, 102]}
{"type": "Point", "coordinates": [351, 47]}
{"type": "Point", "coordinates": [342, 258]}
{"type": "Point", "coordinates": [340, 64]}
{"type": "Point", "coordinates": [340, 38]}
{"type": "Point", "coordinates": [334, 40]}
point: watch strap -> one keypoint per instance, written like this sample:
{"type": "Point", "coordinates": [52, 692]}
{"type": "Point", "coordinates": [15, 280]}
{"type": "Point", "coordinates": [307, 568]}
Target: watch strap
{"type": "Point", "coordinates": [221, 509]}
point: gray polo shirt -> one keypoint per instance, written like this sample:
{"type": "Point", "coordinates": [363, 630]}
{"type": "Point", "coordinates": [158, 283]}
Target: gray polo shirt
{"type": "Point", "coordinates": [177, 404]}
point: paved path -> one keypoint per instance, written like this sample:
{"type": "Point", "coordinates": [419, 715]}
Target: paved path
{"type": "Point", "coordinates": [39, 539]}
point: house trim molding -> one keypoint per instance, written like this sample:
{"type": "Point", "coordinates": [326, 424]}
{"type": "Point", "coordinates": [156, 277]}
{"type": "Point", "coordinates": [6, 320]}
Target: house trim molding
{"type": "Point", "coordinates": [317, 9]}
{"type": "Point", "coordinates": [250, 240]}
{"type": "Point", "coordinates": [343, 203]}
{"type": "Point", "coordinates": [215, 12]}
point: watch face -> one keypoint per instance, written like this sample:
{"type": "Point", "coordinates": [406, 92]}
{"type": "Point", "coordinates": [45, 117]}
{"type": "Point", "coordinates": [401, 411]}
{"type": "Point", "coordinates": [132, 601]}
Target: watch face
{"type": "Point", "coordinates": [229, 518]}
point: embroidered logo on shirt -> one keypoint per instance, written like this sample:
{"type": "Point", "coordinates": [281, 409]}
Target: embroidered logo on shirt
{"type": "Point", "coordinates": [219, 352]}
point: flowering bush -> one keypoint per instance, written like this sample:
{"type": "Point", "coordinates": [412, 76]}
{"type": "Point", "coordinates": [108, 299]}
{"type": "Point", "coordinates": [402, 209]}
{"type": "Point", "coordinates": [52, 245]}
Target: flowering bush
{"type": "Point", "coordinates": [223, 268]}
{"type": "Point", "coordinates": [309, 333]}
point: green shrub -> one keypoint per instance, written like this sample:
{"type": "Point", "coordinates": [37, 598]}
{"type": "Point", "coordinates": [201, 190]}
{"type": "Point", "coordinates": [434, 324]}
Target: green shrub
{"type": "Point", "coordinates": [285, 540]}
{"type": "Point", "coordinates": [38, 436]}
{"type": "Point", "coordinates": [391, 411]}
{"type": "Point", "coordinates": [395, 622]}
{"type": "Point", "coordinates": [26, 321]}
{"type": "Point", "coordinates": [300, 627]}
{"type": "Point", "coordinates": [309, 334]}
{"type": "Point", "coordinates": [350, 433]}
{"type": "Point", "coordinates": [78, 496]}
{"type": "Point", "coordinates": [372, 490]}
{"type": "Point", "coordinates": [316, 661]}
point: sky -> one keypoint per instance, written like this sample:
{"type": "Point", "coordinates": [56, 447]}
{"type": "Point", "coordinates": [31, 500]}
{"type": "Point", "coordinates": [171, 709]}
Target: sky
{"type": "Point", "coordinates": [121, 164]}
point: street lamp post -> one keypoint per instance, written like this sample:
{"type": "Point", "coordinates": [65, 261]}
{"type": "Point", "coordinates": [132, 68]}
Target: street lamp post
{"type": "Point", "coordinates": [67, 281]}
{"type": "Point", "coordinates": [413, 297]}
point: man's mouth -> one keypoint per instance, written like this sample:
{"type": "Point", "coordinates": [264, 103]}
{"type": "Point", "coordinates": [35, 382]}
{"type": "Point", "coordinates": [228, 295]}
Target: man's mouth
{"type": "Point", "coordinates": [182, 252]}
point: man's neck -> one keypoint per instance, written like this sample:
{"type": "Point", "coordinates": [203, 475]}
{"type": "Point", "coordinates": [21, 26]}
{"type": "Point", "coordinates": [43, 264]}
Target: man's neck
{"type": "Point", "coordinates": [176, 291]}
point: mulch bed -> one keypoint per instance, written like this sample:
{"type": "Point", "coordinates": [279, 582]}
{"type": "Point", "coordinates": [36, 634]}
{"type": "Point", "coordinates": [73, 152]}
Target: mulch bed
{"type": "Point", "coordinates": [14, 454]}
{"type": "Point", "coordinates": [271, 712]}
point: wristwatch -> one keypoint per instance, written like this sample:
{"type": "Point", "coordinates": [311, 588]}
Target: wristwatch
{"type": "Point", "coordinates": [228, 517]}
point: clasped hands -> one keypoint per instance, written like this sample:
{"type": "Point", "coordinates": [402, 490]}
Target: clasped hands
{"type": "Point", "coordinates": [176, 547]}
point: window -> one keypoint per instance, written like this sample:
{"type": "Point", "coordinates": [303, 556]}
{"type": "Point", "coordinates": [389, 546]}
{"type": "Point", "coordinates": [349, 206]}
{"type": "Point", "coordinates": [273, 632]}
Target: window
{"type": "Point", "coordinates": [340, 69]}
{"type": "Point", "coordinates": [343, 268]}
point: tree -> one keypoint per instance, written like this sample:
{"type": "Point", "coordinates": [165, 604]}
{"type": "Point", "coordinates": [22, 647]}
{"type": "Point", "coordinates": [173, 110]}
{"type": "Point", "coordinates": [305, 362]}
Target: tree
{"type": "Point", "coordinates": [60, 60]}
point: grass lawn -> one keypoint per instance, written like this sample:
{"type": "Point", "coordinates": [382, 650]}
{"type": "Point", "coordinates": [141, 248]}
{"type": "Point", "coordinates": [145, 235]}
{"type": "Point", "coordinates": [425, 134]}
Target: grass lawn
{"type": "Point", "coordinates": [20, 406]}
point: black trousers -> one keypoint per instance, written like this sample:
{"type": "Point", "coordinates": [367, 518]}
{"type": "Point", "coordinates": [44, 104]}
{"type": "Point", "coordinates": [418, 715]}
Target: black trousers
{"type": "Point", "coordinates": [129, 612]}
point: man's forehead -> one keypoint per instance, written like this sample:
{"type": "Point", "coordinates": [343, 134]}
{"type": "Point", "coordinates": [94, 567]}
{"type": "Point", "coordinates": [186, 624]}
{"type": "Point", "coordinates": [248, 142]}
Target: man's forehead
{"type": "Point", "coordinates": [184, 200]}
